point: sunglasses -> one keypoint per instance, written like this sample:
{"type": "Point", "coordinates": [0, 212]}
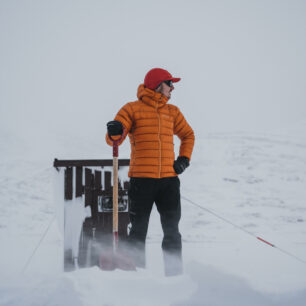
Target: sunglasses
{"type": "Point", "coordinates": [169, 83]}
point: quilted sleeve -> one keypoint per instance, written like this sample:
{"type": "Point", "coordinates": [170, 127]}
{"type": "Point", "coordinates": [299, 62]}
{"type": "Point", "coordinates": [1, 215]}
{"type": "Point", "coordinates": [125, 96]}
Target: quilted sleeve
{"type": "Point", "coordinates": [183, 130]}
{"type": "Point", "coordinates": [125, 116]}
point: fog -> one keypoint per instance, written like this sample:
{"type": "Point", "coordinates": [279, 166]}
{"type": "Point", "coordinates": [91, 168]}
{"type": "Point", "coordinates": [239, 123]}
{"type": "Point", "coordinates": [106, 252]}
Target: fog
{"type": "Point", "coordinates": [68, 66]}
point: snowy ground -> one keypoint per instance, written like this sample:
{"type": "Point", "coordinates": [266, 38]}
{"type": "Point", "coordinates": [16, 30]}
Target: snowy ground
{"type": "Point", "coordinates": [256, 181]}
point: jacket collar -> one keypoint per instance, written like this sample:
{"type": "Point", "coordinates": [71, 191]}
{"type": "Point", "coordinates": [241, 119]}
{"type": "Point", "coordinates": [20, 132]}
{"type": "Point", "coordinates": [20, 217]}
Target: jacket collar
{"type": "Point", "coordinates": [151, 97]}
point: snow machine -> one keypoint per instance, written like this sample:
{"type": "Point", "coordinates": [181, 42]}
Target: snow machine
{"type": "Point", "coordinates": [85, 194]}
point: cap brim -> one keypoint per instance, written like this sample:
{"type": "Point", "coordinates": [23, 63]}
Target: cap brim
{"type": "Point", "coordinates": [174, 80]}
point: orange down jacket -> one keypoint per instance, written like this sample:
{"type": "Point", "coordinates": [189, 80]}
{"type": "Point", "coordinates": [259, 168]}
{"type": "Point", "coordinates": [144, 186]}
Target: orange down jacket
{"type": "Point", "coordinates": [151, 123]}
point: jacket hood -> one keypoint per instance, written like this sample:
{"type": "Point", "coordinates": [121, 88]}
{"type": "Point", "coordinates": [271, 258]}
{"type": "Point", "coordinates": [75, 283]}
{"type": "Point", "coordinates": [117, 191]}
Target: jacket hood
{"type": "Point", "coordinates": [151, 97]}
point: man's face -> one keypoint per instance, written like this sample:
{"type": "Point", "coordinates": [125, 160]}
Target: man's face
{"type": "Point", "coordinates": [165, 89]}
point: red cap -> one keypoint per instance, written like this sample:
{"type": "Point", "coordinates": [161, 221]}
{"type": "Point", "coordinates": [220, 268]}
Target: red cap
{"type": "Point", "coordinates": [157, 75]}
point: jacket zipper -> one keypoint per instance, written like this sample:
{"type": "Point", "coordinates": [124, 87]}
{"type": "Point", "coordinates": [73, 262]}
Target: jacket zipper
{"type": "Point", "coordinates": [159, 170]}
{"type": "Point", "coordinates": [134, 151]}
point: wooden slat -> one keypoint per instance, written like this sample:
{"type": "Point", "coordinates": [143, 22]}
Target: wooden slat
{"type": "Point", "coordinates": [68, 183]}
{"type": "Point", "coordinates": [78, 182]}
{"type": "Point", "coordinates": [107, 180]}
{"type": "Point", "coordinates": [98, 176]}
{"type": "Point", "coordinates": [89, 163]}
{"type": "Point", "coordinates": [88, 187]}
{"type": "Point", "coordinates": [97, 186]}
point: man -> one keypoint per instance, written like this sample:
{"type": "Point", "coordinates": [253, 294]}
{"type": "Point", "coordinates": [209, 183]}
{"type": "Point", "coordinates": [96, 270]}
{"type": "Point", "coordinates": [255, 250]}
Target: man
{"type": "Point", "coordinates": [151, 123]}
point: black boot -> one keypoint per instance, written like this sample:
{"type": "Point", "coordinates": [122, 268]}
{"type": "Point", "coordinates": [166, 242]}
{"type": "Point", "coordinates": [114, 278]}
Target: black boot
{"type": "Point", "coordinates": [173, 264]}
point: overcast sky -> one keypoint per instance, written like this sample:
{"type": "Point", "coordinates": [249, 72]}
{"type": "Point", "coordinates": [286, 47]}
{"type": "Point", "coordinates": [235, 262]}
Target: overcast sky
{"type": "Point", "coordinates": [68, 66]}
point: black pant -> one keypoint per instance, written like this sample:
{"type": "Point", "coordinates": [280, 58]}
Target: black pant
{"type": "Point", "coordinates": [165, 192]}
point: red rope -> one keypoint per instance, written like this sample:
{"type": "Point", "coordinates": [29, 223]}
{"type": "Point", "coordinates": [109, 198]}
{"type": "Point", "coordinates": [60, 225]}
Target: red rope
{"type": "Point", "coordinates": [244, 230]}
{"type": "Point", "coordinates": [272, 245]}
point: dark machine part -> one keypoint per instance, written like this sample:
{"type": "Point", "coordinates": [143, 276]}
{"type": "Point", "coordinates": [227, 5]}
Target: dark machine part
{"type": "Point", "coordinates": [96, 231]}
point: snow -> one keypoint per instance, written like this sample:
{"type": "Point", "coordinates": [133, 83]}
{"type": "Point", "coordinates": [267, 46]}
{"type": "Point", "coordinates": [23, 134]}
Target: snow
{"type": "Point", "coordinates": [75, 214]}
{"type": "Point", "coordinates": [255, 181]}
{"type": "Point", "coordinates": [66, 69]}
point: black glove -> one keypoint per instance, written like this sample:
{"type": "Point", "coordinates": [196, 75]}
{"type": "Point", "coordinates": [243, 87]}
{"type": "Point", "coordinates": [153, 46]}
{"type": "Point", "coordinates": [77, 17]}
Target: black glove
{"type": "Point", "coordinates": [180, 164]}
{"type": "Point", "coordinates": [114, 128]}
